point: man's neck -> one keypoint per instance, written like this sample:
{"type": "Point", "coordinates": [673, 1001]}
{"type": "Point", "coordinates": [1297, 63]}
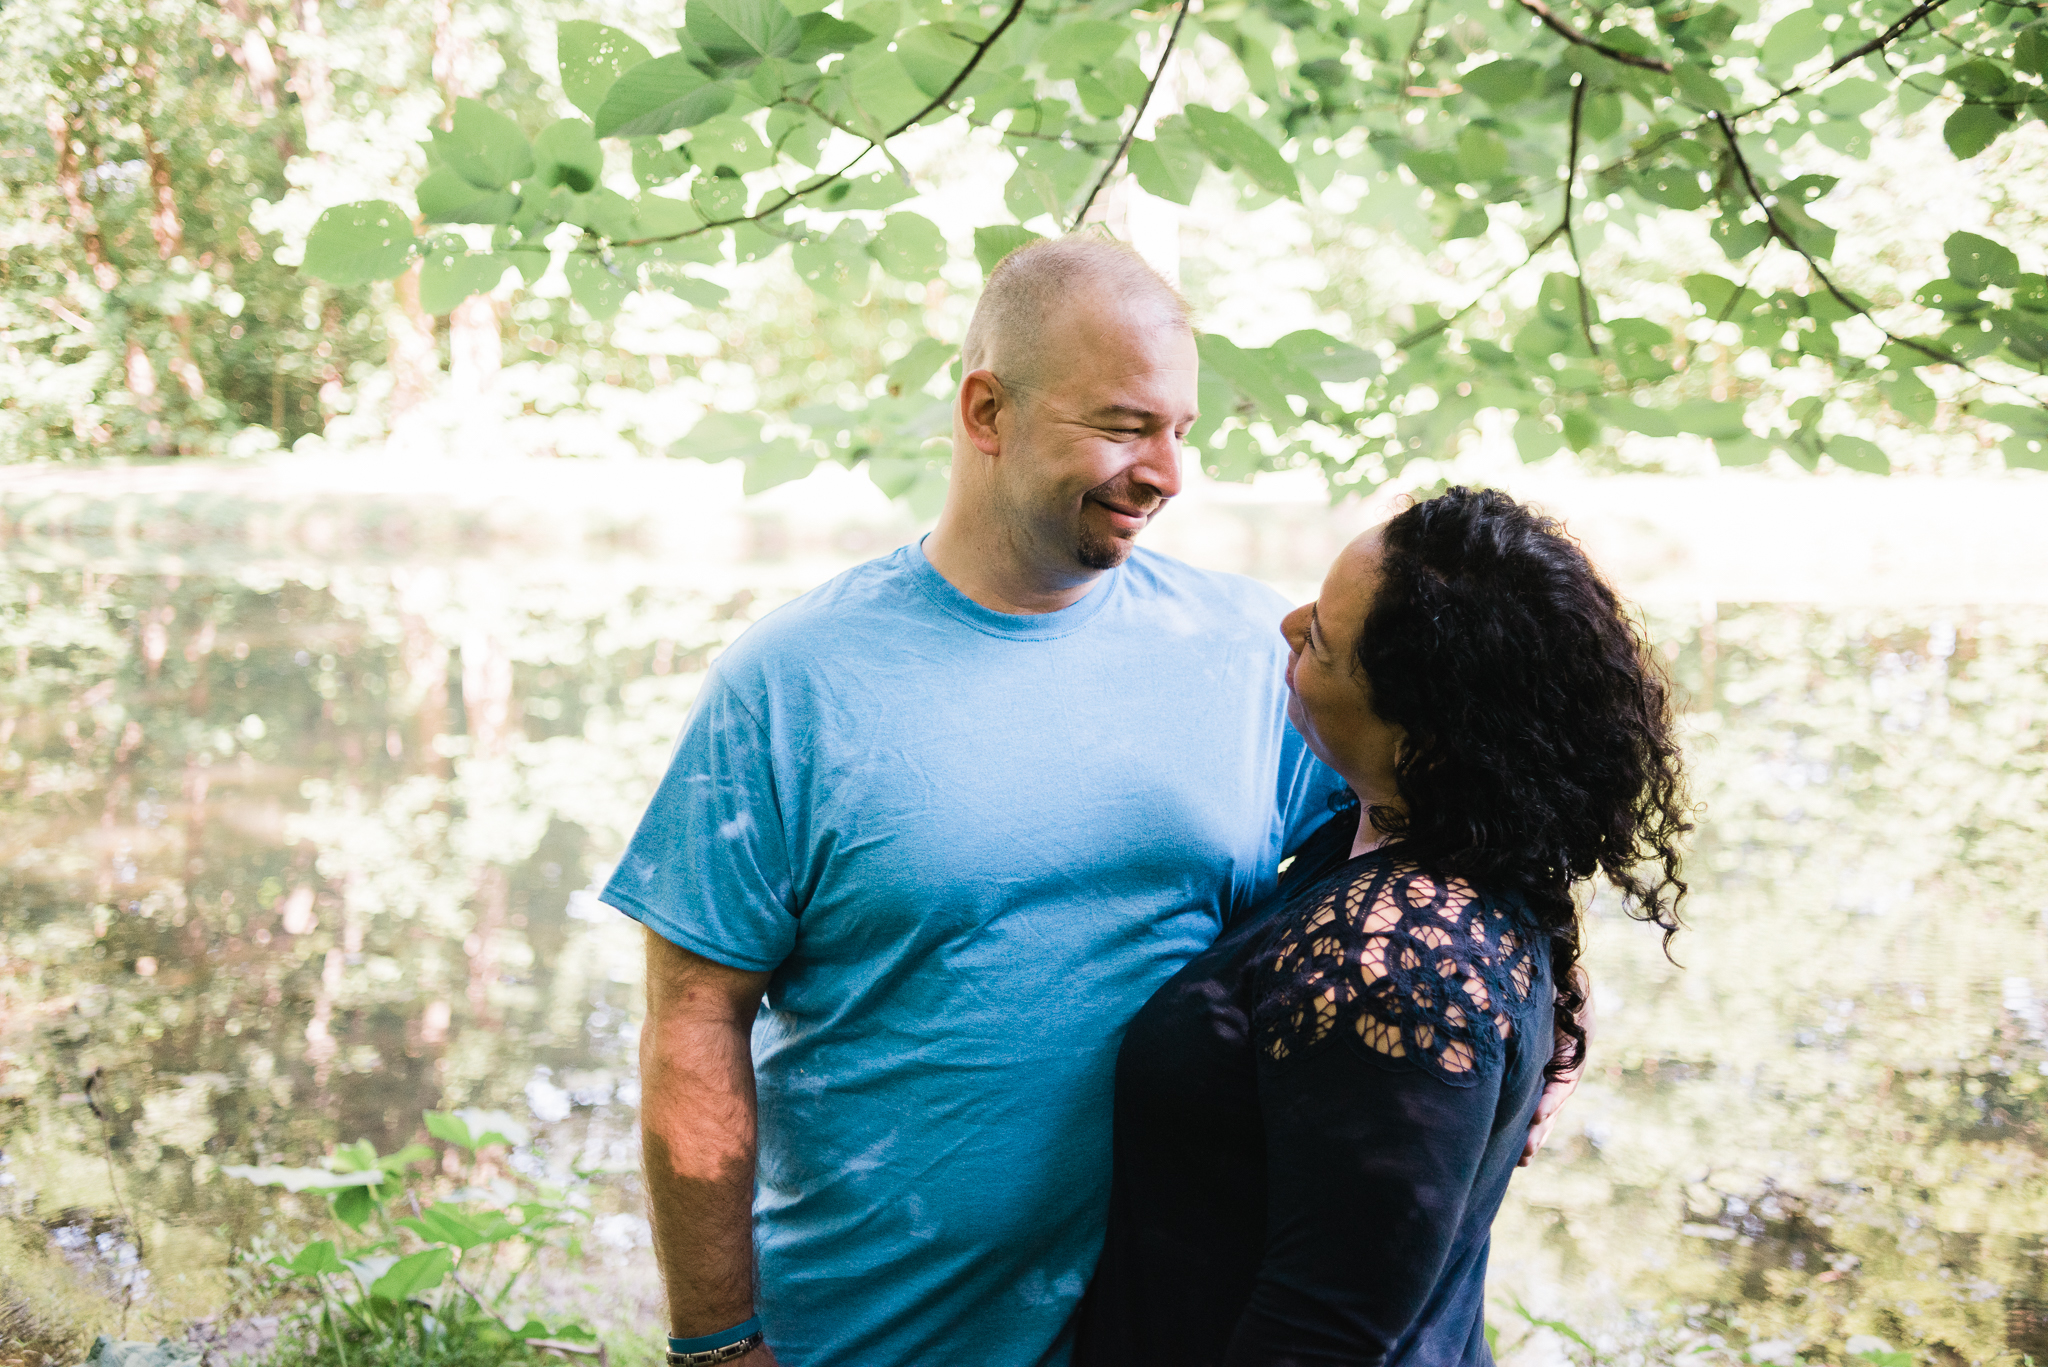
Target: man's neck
{"type": "Point", "coordinates": [994, 570]}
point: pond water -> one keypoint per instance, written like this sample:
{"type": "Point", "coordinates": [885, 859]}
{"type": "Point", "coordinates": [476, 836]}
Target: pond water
{"type": "Point", "coordinates": [292, 855]}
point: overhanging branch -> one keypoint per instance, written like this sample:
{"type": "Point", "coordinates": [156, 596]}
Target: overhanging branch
{"type": "Point", "coordinates": [1144, 100]}
{"type": "Point", "coordinates": [1571, 35]}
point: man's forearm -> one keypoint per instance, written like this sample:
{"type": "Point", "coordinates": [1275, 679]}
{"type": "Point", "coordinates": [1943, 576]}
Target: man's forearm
{"type": "Point", "coordinates": [697, 1140]}
{"type": "Point", "coordinates": [697, 1136]}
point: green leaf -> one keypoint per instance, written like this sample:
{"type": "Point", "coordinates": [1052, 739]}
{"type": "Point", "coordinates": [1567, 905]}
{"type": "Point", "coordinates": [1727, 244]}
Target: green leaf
{"type": "Point", "coordinates": [728, 142]}
{"type": "Point", "coordinates": [1973, 128]}
{"type": "Point", "coordinates": [483, 146]}
{"type": "Point", "coordinates": [779, 462]}
{"type": "Point", "coordinates": [1846, 99]}
{"type": "Point", "coordinates": [2030, 49]}
{"type": "Point", "coordinates": [353, 244]}
{"type": "Point", "coordinates": [2025, 421]}
{"type": "Point", "coordinates": [1170, 164]}
{"type": "Point", "coordinates": [1481, 153]}
{"type": "Point", "coordinates": [354, 1206]}
{"type": "Point", "coordinates": [445, 197]}
{"type": "Point", "coordinates": [656, 215]}
{"type": "Point", "coordinates": [1504, 82]}
{"type": "Point", "coordinates": [316, 1258]}
{"type": "Point", "coordinates": [1981, 79]}
{"type": "Point", "coordinates": [821, 35]}
{"type": "Point", "coordinates": [1794, 39]}
{"type": "Point", "coordinates": [1049, 179]}
{"type": "Point", "coordinates": [910, 374]}
{"type": "Point", "coordinates": [447, 277]}
{"type": "Point", "coordinates": [594, 286]}
{"type": "Point", "coordinates": [1581, 430]}
{"type": "Point", "coordinates": [1079, 45]}
{"type": "Point", "coordinates": [877, 191]}
{"type": "Point", "coordinates": [738, 34]}
{"type": "Point", "coordinates": [1675, 187]}
{"type": "Point", "coordinates": [1231, 142]}
{"type": "Point", "coordinates": [1247, 373]}
{"type": "Point", "coordinates": [2025, 453]}
{"type": "Point", "coordinates": [1706, 418]}
{"type": "Point", "coordinates": [605, 212]}
{"type": "Point", "coordinates": [1535, 439]}
{"type": "Point", "coordinates": [1855, 453]}
{"type": "Point", "coordinates": [1980, 261]}
{"type": "Point", "coordinates": [659, 96]}
{"type": "Point", "coordinates": [1950, 296]}
{"type": "Point", "coordinates": [932, 55]}
{"type": "Point", "coordinates": [909, 247]}
{"type": "Point", "coordinates": [720, 198]}
{"type": "Point", "coordinates": [1700, 87]}
{"type": "Point", "coordinates": [836, 266]}
{"type": "Point", "coordinates": [881, 92]}
{"type": "Point", "coordinates": [1637, 345]}
{"type": "Point", "coordinates": [410, 1275]}
{"type": "Point", "coordinates": [449, 1128]}
{"type": "Point", "coordinates": [566, 152]}
{"type": "Point", "coordinates": [1325, 358]}
{"type": "Point", "coordinates": [1238, 460]}
{"type": "Point", "coordinates": [445, 1224]}
{"type": "Point", "coordinates": [720, 436]}
{"type": "Point", "coordinates": [1910, 398]}
{"type": "Point", "coordinates": [991, 245]}
{"type": "Point", "coordinates": [655, 165]}
{"type": "Point", "coordinates": [591, 57]}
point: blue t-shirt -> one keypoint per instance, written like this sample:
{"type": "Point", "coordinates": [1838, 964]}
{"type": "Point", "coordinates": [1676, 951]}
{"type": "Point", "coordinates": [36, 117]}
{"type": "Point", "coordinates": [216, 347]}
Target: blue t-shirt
{"type": "Point", "coordinates": [969, 845]}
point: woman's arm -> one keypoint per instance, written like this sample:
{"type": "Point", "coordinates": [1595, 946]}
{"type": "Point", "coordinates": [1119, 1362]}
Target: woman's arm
{"type": "Point", "coordinates": [1369, 1170]}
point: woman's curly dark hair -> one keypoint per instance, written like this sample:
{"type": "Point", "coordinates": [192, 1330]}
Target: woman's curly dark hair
{"type": "Point", "coordinates": [1539, 743]}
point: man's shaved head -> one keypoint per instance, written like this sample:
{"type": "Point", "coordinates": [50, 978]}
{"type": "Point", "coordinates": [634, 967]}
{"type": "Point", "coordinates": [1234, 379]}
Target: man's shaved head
{"type": "Point", "coordinates": [1017, 319]}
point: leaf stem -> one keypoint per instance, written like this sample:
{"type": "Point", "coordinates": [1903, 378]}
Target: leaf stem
{"type": "Point", "coordinates": [1571, 35]}
{"type": "Point", "coordinates": [1571, 179]}
{"type": "Point", "coordinates": [1159, 71]}
{"type": "Point", "coordinates": [1777, 230]}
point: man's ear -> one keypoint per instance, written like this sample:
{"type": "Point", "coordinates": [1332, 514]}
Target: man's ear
{"type": "Point", "coordinates": [982, 398]}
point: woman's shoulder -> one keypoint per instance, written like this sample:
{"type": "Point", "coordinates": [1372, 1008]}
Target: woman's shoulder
{"type": "Point", "coordinates": [1416, 969]}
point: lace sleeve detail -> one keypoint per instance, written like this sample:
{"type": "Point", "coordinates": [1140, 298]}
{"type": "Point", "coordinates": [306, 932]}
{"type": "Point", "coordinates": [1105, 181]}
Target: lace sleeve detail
{"type": "Point", "coordinates": [1418, 971]}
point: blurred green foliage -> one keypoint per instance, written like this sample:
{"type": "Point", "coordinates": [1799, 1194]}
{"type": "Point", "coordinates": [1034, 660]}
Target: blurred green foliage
{"type": "Point", "coordinates": [207, 200]}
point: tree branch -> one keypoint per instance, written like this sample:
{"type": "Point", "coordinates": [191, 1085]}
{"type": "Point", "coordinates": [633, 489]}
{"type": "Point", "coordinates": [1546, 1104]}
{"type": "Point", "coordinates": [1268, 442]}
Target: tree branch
{"type": "Point", "coordinates": [1572, 35]}
{"type": "Point", "coordinates": [1158, 72]}
{"type": "Point", "coordinates": [1571, 180]}
{"type": "Point", "coordinates": [790, 197]}
{"type": "Point", "coordinates": [1422, 335]}
{"type": "Point", "coordinates": [1777, 230]}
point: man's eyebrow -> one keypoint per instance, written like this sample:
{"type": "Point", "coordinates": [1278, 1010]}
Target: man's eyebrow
{"type": "Point", "coordinates": [1124, 410]}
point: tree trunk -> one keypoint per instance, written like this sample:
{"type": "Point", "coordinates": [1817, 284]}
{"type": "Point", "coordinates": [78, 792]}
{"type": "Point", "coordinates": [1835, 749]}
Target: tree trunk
{"type": "Point", "coordinates": [64, 132]}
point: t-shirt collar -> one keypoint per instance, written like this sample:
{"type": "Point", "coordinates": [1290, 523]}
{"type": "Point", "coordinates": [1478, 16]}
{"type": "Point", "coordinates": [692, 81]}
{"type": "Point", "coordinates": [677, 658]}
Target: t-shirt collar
{"type": "Point", "coordinates": [1042, 626]}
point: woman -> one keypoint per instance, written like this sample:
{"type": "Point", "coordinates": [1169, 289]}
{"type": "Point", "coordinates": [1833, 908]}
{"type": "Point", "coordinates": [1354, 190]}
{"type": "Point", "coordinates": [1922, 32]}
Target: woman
{"type": "Point", "coordinates": [1317, 1118]}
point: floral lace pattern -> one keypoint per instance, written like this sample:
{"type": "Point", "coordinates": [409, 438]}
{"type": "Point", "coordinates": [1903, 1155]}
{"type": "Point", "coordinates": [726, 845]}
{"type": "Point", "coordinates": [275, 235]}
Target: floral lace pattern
{"type": "Point", "coordinates": [1415, 969]}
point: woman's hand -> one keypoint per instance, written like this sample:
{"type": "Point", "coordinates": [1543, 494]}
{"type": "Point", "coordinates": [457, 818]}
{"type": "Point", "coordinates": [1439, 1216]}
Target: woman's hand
{"type": "Point", "coordinates": [1559, 1089]}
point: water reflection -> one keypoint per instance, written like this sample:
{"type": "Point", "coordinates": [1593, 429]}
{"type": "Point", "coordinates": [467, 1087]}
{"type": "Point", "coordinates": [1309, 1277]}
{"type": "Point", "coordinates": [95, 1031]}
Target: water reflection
{"type": "Point", "coordinates": [291, 857]}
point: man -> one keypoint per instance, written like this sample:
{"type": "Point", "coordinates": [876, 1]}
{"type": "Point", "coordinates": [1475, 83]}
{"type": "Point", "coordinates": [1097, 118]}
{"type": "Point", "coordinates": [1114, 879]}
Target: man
{"type": "Point", "coordinates": [933, 833]}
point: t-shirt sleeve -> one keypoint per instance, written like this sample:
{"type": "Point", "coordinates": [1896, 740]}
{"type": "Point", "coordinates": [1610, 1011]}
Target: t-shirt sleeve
{"type": "Point", "coordinates": [1310, 791]}
{"type": "Point", "coordinates": [708, 869]}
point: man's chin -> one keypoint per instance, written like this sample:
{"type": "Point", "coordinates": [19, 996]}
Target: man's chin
{"type": "Point", "coordinates": [1104, 552]}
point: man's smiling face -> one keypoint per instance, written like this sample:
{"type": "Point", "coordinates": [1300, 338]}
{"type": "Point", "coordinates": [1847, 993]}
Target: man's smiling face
{"type": "Point", "coordinates": [1091, 437]}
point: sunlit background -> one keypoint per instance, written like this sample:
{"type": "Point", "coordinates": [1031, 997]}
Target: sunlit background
{"type": "Point", "coordinates": [333, 680]}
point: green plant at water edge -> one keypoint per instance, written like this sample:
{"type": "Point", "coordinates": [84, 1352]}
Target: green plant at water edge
{"type": "Point", "coordinates": [423, 1281]}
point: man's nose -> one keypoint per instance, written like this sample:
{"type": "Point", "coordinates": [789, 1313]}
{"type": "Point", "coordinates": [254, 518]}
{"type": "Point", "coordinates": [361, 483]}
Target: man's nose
{"type": "Point", "coordinates": [1158, 464]}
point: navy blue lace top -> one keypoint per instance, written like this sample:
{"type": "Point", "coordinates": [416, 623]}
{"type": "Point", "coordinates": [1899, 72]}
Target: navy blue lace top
{"type": "Point", "coordinates": [1316, 1120]}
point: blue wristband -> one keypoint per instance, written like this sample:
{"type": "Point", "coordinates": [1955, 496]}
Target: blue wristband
{"type": "Point", "coordinates": [725, 1338]}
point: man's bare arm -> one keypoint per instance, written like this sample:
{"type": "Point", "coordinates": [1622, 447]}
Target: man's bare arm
{"type": "Point", "coordinates": [697, 1120]}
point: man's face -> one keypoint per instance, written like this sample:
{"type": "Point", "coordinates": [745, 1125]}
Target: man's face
{"type": "Point", "coordinates": [1091, 447]}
